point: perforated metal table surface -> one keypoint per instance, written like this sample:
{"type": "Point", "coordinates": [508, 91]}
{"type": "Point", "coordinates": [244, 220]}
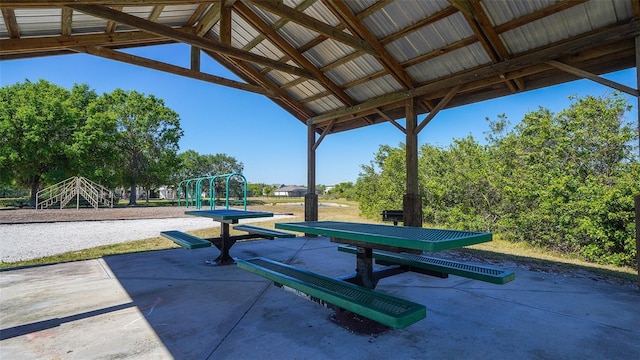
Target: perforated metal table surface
{"type": "Point", "coordinates": [367, 237]}
{"type": "Point", "coordinates": [406, 237]}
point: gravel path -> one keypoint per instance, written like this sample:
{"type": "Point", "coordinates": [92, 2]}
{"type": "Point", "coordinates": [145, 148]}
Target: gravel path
{"type": "Point", "coordinates": [35, 240]}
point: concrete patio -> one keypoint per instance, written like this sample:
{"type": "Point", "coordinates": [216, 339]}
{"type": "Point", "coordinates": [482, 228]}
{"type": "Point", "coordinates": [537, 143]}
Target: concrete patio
{"type": "Point", "coordinates": [170, 304]}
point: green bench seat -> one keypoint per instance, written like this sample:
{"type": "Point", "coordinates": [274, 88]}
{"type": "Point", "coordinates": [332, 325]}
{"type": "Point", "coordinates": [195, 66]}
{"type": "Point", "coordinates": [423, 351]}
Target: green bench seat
{"type": "Point", "coordinates": [267, 233]}
{"type": "Point", "coordinates": [473, 271]}
{"type": "Point", "coordinates": [380, 307]}
{"type": "Point", "coordinates": [185, 240]}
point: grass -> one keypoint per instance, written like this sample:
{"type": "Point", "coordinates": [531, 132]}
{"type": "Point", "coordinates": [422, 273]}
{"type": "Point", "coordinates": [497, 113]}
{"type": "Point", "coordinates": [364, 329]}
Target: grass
{"type": "Point", "coordinates": [498, 250]}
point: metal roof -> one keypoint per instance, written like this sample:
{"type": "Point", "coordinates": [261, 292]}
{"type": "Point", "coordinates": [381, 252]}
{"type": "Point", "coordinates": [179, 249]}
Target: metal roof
{"type": "Point", "coordinates": [346, 64]}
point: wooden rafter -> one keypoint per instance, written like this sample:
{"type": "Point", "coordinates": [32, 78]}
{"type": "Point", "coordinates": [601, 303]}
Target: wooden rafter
{"type": "Point", "coordinates": [211, 22]}
{"type": "Point", "coordinates": [188, 38]}
{"type": "Point", "coordinates": [313, 24]}
{"type": "Point", "coordinates": [481, 73]}
{"type": "Point", "coordinates": [283, 45]}
{"type": "Point", "coordinates": [177, 70]}
{"type": "Point", "coordinates": [57, 43]}
{"type": "Point", "coordinates": [481, 25]}
{"type": "Point", "coordinates": [155, 13]}
{"type": "Point", "coordinates": [351, 22]}
{"type": "Point", "coordinates": [208, 19]}
{"type": "Point", "coordinates": [250, 74]}
{"type": "Point", "coordinates": [277, 25]}
{"type": "Point", "coordinates": [279, 41]}
{"type": "Point", "coordinates": [225, 24]}
{"type": "Point", "coordinates": [66, 21]}
{"type": "Point", "coordinates": [55, 3]}
{"type": "Point", "coordinates": [10, 22]}
{"type": "Point", "coordinates": [587, 75]}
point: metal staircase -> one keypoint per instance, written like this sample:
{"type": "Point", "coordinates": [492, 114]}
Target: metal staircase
{"type": "Point", "coordinates": [74, 188]}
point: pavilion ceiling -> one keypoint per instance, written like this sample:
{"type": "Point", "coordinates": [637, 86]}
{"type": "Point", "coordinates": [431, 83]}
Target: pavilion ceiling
{"type": "Point", "coordinates": [346, 64]}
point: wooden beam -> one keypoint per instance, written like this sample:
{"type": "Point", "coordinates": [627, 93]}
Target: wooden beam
{"type": "Point", "coordinates": [441, 104]}
{"type": "Point", "coordinates": [66, 21]}
{"type": "Point", "coordinates": [537, 15]}
{"type": "Point", "coordinates": [111, 25]}
{"type": "Point", "coordinates": [195, 58]}
{"type": "Point", "coordinates": [196, 15]}
{"type": "Point", "coordinates": [50, 4]}
{"type": "Point", "coordinates": [155, 13]}
{"type": "Point", "coordinates": [10, 22]}
{"type": "Point", "coordinates": [313, 24]}
{"type": "Point", "coordinates": [373, 8]}
{"type": "Point", "coordinates": [326, 131]}
{"type": "Point", "coordinates": [277, 25]}
{"type": "Point", "coordinates": [446, 12]}
{"type": "Point", "coordinates": [56, 43]}
{"type": "Point", "coordinates": [251, 75]}
{"type": "Point", "coordinates": [189, 38]}
{"type": "Point", "coordinates": [225, 24]}
{"type": "Point", "coordinates": [367, 105]}
{"type": "Point", "coordinates": [620, 31]}
{"type": "Point", "coordinates": [587, 75]}
{"type": "Point", "coordinates": [173, 69]}
{"type": "Point", "coordinates": [207, 20]}
{"type": "Point", "coordinates": [481, 25]}
{"type": "Point", "coordinates": [292, 52]}
{"type": "Point", "coordinates": [344, 13]}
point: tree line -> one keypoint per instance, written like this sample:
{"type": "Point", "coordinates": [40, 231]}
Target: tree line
{"type": "Point", "coordinates": [122, 138]}
{"type": "Point", "coordinates": [563, 181]}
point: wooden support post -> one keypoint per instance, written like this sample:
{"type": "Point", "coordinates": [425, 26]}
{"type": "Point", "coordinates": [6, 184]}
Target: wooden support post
{"type": "Point", "coordinates": [412, 202]}
{"type": "Point", "coordinates": [637, 198]}
{"type": "Point", "coordinates": [311, 198]}
{"type": "Point", "coordinates": [637, 202]}
{"type": "Point", "coordinates": [195, 58]}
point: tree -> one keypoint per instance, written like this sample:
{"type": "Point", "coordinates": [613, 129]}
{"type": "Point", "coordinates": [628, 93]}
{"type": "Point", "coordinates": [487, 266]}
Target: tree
{"type": "Point", "coordinates": [563, 181]}
{"type": "Point", "coordinates": [40, 126]}
{"type": "Point", "coordinates": [147, 142]}
{"type": "Point", "coordinates": [575, 179]}
{"type": "Point", "coordinates": [342, 190]}
{"type": "Point", "coordinates": [381, 184]}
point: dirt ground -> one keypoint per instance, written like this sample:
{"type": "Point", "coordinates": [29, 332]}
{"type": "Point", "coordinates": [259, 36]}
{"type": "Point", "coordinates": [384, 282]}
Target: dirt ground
{"type": "Point", "coordinates": [51, 215]}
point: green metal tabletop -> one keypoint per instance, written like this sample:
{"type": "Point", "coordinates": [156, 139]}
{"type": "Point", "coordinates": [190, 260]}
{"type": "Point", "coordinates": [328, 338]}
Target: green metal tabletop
{"type": "Point", "coordinates": [226, 215]}
{"type": "Point", "coordinates": [407, 237]}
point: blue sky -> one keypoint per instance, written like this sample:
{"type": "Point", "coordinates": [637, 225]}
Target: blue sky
{"type": "Point", "coordinates": [266, 139]}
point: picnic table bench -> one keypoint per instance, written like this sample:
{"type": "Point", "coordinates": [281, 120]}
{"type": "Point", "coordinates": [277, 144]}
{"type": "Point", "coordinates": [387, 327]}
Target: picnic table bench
{"type": "Point", "coordinates": [263, 232]}
{"type": "Point", "coordinates": [398, 247]}
{"type": "Point", "coordinates": [185, 240]}
{"type": "Point", "coordinates": [383, 308]}
{"type": "Point", "coordinates": [225, 241]}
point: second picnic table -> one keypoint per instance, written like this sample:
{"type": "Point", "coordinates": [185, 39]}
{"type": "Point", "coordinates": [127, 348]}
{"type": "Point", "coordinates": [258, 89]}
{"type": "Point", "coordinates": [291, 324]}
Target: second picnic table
{"type": "Point", "coordinates": [226, 217]}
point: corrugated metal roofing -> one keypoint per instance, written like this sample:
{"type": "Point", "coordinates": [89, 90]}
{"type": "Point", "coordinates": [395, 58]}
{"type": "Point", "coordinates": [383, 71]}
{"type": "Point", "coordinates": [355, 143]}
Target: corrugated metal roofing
{"type": "Point", "coordinates": [361, 56]}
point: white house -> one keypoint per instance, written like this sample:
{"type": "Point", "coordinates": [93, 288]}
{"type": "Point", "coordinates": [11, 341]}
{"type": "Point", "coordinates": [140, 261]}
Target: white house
{"type": "Point", "coordinates": [291, 191]}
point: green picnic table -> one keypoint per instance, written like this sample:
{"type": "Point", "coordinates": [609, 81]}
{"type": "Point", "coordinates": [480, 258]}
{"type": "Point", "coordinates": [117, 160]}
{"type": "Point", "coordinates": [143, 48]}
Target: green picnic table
{"type": "Point", "coordinates": [398, 248]}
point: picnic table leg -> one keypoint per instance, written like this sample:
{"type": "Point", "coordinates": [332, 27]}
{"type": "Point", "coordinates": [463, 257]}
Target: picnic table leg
{"type": "Point", "coordinates": [224, 245]}
{"type": "Point", "coordinates": [364, 268]}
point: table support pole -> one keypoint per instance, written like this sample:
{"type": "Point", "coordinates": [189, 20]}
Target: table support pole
{"type": "Point", "coordinates": [364, 269]}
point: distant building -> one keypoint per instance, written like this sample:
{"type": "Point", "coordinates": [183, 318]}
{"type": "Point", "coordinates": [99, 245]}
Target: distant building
{"type": "Point", "coordinates": [291, 191]}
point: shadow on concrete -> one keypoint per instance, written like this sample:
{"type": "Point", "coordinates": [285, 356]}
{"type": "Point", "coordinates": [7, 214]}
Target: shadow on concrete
{"type": "Point", "coordinates": [43, 325]}
{"type": "Point", "coordinates": [171, 305]}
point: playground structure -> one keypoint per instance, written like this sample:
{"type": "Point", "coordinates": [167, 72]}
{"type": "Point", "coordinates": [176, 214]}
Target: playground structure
{"type": "Point", "coordinates": [74, 188]}
{"type": "Point", "coordinates": [193, 190]}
